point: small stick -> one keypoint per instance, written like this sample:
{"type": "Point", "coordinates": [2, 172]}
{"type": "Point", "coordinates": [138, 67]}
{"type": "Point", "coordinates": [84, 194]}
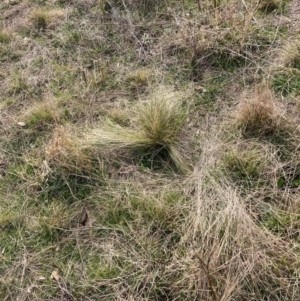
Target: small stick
{"type": "Point", "coordinates": [209, 280]}
{"type": "Point", "coordinates": [199, 5]}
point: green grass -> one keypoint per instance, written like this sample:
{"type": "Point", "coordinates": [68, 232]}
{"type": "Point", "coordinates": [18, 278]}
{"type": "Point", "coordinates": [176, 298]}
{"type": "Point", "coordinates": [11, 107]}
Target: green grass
{"type": "Point", "coordinates": [4, 38]}
{"type": "Point", "coordinates": [245, 168]}
{"type": "Point", "coordinates": [286, 82]}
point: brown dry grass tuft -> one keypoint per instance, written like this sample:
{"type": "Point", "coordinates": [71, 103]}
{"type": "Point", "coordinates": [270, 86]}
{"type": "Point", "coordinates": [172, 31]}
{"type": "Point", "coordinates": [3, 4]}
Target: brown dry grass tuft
{"type": "Point", "coordinates": [41, 18]}
{"type": "Point", "coordinates": [260, 115]}
{"type": "Point", "coordinates": [64, 151]}
{"type": "Point", "coordinates": [290, 56]}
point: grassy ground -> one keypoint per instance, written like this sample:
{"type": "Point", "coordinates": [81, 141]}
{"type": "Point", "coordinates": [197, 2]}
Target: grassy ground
{"type": "Point", "coordinates": [149, 150]}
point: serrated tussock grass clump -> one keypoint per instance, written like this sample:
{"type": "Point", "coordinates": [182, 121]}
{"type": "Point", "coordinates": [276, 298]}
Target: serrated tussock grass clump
{"type": "Point", "coordinates": [161, 121]}
{"type": "Point", "coordinates": [290, 56]}
{"type": "Point", "coordinates": [260, 116]}
{"type": "Point", "coordinates": [63, 151]}
{"type": "Point", "coordinates": [156, 131]}
{"type": "Point", "coordinates": [41, 18]}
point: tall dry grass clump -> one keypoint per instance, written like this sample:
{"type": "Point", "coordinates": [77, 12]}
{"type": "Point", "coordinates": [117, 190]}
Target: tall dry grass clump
{"type": "Point", "coordinates": [156, 131]}
{"type": "Point", "coordinates": [290, 56]}
{"type": "Point", "coordinates": [63, 152]}
{"type": "Point", "coordinates": [260, 115]}
{"type": "Point", "coordinates": [42, 18]}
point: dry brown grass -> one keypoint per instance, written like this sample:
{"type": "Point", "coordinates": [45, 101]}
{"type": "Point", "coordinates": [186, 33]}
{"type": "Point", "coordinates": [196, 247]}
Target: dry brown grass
{"type": "Point", "coordinates": [134, 195]}
{"type": "Point", "coordinates": [261, 115]}
{"type": "Point", "coordinates": [63, 150]}
{"type": "Point", "coordinates": [231, 255]}
{"type": "Point", "coordinates": [41, 18]}
{"type": "Point", "coordinates": [290, 56]}
{"type": "Point", "coordinates": [224, 37]}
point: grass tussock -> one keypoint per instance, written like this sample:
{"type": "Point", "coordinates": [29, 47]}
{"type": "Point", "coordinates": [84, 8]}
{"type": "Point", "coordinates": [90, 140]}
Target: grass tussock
{"type": "Point", "coordinates": [42, 18]}
{"type": "Point", "coordinates": [63, 151]}
{"type": "Point", "coordinates": [291, 55]}
{"type": "Point", "coordinates": [247, 167]}
{"type": "Point", "coordinates": [157, 129]}
{"type": "Point", "coordinates": [41, 116]}
{"type": "Point", "coordinates": [261, 116]}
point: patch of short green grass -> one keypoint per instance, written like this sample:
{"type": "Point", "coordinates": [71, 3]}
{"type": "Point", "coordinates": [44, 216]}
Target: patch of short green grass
{"type": "Point", "coordinates": [287, 82]}
{"type": "Point", "coordinates": [282, 223]}
{"type": "Point", "coordinates": [245, 168]}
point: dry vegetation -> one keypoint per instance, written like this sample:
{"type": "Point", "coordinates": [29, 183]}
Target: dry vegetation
{"type": "Point", "coordinates": [149, 150]}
